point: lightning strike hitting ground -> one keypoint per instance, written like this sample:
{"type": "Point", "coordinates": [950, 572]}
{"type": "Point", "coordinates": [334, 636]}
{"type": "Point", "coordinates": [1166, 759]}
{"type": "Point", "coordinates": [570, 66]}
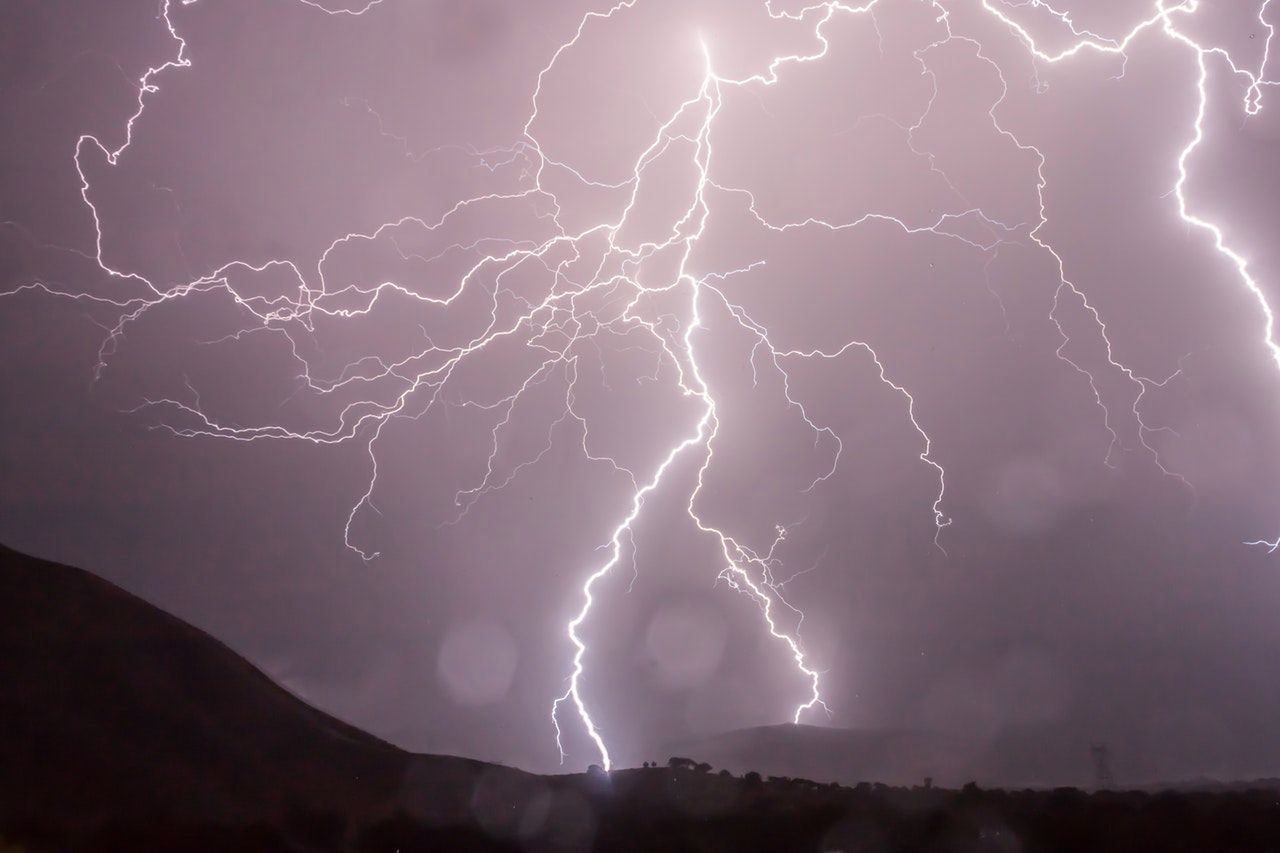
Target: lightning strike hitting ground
{"type": "Point", "coordinates": [574, 315]}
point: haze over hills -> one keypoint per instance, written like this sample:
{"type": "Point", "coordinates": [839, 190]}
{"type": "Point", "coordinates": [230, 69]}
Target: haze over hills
{"type": "Point", "coordinates": [1033, 757]}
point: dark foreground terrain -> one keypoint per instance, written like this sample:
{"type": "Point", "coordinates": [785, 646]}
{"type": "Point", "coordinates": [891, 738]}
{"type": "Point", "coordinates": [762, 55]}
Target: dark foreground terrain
{"type": "Point", "coordinates": [124, 729]}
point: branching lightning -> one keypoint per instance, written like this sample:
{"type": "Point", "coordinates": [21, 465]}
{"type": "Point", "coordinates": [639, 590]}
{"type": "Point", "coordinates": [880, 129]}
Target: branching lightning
{"type": "Point", "coordinates": [579, 312]}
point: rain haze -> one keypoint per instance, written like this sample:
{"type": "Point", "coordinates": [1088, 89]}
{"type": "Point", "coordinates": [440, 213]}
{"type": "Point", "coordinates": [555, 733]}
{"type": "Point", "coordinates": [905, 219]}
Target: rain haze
{"type": "Point", "coordinates": [894, 370]}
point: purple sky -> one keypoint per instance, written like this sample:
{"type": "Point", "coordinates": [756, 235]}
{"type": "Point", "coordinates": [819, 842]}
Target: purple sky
{"type": "Point", "coordinates": [1094, 582]}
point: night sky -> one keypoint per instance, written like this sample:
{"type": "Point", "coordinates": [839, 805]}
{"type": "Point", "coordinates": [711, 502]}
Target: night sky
{"type": "Point", "coordinates": [199, 373]}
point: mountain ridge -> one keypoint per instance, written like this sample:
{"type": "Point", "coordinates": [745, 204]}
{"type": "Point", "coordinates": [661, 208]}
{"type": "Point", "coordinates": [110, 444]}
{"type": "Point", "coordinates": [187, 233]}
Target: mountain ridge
{"type": "Point", "coordinates": [111, 706]}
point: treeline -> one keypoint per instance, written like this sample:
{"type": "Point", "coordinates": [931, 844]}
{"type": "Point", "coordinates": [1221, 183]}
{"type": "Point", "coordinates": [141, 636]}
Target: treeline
{"type": "Point", "coordinates": [687, 805]}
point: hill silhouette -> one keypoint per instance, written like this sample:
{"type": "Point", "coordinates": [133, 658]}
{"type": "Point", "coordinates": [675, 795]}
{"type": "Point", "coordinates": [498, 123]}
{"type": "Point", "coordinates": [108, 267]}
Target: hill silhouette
{"type": "Point", "coordinates": [1035, 757]}
{"type": "Point", "coordinates": [125, 729]}
{"type": "Point", "coordinates": [112, 708]}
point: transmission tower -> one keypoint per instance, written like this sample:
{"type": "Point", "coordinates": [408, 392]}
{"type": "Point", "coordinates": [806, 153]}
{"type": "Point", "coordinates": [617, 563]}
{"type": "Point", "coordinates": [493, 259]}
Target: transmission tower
{"type": "Point", "coordinates": [1102, 778]}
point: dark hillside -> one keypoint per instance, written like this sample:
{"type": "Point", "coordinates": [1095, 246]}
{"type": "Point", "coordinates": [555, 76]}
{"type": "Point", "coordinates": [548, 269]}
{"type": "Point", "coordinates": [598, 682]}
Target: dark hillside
{"type": "Point", "coordinates": [125, 729]}
{"type": "Point", "coordinates": [110, 706]}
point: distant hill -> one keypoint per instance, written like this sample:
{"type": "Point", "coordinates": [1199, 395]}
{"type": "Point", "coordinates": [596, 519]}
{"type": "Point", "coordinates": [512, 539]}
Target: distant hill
{"type": "Point", "coordinates": [110, 707]}
{"type": "Point", "coordinates": [1031, 757]}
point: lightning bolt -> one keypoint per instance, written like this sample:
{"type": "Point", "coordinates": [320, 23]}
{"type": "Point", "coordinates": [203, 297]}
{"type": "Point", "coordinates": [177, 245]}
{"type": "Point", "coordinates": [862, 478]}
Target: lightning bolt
{"type": "Point", "coordinates": [600, 292]}
{"type": "Point", "coordinates": [1163, 19]}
